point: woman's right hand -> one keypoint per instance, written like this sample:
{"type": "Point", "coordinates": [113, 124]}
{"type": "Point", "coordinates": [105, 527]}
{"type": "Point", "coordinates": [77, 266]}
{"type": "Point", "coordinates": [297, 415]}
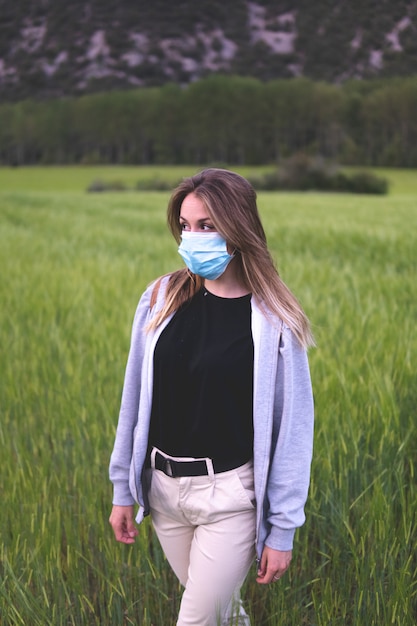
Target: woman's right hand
{"type": "Point", "coordinates": [122, 522]}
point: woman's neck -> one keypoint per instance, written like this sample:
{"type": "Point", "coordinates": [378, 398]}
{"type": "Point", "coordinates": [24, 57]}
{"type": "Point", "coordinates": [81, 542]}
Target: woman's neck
{"type": "Point", "coordinates": [227, 285]}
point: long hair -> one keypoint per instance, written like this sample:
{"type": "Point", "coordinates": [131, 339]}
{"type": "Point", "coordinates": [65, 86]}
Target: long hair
{"type": "Point", "coordinates": [230, 201]}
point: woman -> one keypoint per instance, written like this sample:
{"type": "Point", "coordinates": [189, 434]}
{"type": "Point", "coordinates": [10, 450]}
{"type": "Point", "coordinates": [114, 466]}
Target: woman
{"type": "Point", "coordinates": [215, 432]}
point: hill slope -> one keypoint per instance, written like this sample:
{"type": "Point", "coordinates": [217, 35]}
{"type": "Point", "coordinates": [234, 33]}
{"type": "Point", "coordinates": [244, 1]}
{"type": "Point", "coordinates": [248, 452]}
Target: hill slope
{"type": "Point", "coordinates": [52, 48]}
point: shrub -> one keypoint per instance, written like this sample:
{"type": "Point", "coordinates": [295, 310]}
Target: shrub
{"type": "Point", "coordinates": [303, 173]}
{"type": "Point", "coordinates": [100, 186]}
{"type": "Point", "coordinates": [366, 182]}
{"type": "Point", "coordinates": [155, 184]}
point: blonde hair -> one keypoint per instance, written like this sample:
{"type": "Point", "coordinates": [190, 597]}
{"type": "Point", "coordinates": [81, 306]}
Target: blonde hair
{"type": "Point", "coordinates": [230, 201]}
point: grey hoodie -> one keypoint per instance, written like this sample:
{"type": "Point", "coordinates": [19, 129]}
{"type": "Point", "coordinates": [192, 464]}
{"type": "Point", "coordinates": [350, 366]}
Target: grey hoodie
{"type": "Point", "coordinates": [283, 417]}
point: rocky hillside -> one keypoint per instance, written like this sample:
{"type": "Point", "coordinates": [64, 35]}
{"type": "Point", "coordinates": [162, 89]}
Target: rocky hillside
{"type": "Point", "coordinates": [50, 48]}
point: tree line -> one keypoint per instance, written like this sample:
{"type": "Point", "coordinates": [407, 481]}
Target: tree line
{"type": "Point", "coordinates": [219, 119]}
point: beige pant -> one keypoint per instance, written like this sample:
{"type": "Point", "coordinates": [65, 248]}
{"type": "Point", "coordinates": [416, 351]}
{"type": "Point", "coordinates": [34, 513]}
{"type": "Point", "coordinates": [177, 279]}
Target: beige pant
{"type": "Point", "coordinates": [206, 527]}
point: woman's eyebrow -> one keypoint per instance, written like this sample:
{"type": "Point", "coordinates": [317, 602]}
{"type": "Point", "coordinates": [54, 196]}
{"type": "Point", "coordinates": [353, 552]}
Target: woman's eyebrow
{"type": "Point", "coordinates": [202, 220]}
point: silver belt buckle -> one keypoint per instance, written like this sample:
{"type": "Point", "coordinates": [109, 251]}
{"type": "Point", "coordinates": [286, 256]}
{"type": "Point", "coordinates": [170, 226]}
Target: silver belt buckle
{"type": "Point", "coordinates": [168, 468]}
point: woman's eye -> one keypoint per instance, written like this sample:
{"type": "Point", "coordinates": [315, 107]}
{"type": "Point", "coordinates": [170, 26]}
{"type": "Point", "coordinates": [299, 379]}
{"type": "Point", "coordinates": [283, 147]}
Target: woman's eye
{"type": "Point", "coordinates": [200, 227]}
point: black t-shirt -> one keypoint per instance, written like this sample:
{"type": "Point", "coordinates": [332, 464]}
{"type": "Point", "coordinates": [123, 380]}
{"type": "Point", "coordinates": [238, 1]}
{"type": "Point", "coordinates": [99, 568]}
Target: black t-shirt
{"type": "Point", "coordinates": [203, 381]}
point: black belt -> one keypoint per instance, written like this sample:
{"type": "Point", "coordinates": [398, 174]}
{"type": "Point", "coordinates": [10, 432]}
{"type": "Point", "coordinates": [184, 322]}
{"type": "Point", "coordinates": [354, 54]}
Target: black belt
{"type": "Point", "coordinates": [177, 469]}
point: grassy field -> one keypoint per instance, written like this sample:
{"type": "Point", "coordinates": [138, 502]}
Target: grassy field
{"type": "Point", "coordinates": [73, 266]}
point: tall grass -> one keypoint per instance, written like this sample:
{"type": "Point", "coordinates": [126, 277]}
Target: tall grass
{"type": "Point", "coordinates": [72, 269]}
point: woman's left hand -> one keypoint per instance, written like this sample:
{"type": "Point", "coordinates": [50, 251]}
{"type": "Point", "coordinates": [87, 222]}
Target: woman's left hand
{"type": "Point", "coordinates": [273, 565]}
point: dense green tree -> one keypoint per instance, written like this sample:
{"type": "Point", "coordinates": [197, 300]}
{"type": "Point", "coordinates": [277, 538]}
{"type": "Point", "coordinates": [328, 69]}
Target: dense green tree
{"type": "Point", "coordinates": [7, 154]}
{"type": "Point", "coordinates": [226, 120]}
{"type": "Point", "coordinates": [26, 130]}
{"type": "Point", "coordinates": [290, 115]}
{"type": "Point", "coordinates": [327, 111]}
{"type": "Point", "coordinates": [168, 125]}
{"type": "Point", "coordinates": [390, 122]}
{"type": "Point", "coordinates": [220, 119]}
{"type": "Point", "coordinates": [56, 131]}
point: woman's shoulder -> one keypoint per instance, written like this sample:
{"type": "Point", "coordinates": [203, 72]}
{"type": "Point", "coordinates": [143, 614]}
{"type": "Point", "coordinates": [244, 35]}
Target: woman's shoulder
{"type": "Point", "coordinates": [265, 312]}
{"type": "Point", "coordinates": [154, 294]}
{"type": "Point", "coordinates": [154, 290]}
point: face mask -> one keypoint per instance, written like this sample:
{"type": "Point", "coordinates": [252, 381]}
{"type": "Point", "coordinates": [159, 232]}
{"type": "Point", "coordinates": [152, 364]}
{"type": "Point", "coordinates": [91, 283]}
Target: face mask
{"type": "Point", "coordinates": [205, 254]}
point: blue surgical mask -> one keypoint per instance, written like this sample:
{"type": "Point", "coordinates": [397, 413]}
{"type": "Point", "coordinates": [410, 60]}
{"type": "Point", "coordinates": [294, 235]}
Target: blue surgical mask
{"type": "Point", "coordinates": [205, 254]}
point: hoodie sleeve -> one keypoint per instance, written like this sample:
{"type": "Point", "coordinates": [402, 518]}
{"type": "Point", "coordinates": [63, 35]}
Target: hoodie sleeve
{"type": "Point", "coordinates": [122, 452]}
{"type": "Point", "coordinates": [292, 444]}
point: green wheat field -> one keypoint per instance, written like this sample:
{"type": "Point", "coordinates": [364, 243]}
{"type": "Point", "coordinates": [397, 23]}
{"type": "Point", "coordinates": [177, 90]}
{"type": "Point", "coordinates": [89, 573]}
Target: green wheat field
{"type": "Point", "coordinates": [73, 266]}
